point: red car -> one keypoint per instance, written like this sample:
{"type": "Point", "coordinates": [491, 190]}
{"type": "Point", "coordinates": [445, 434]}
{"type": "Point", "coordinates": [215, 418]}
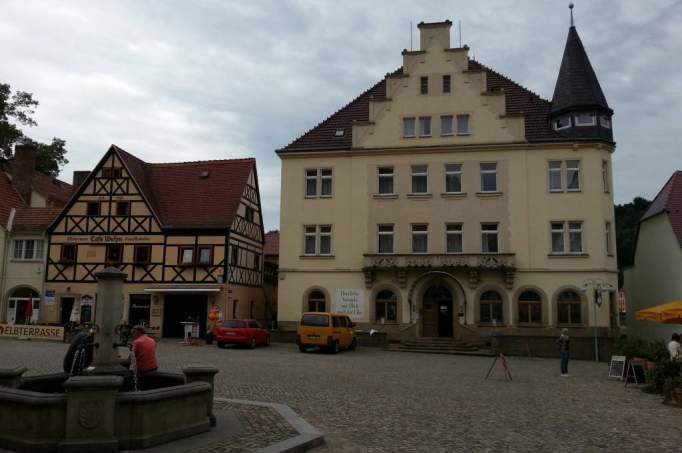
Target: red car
{"type": "Point", "coordinates": [246, 332]}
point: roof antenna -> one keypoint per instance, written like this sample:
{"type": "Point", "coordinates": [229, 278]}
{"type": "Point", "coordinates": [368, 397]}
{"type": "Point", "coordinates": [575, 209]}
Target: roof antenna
{"type": "Point", "coordinates": [570, 6]}
{"type": "Point", "coordinates": [460, 33]}
{"type": "Point", "coordinates": [410, 36]}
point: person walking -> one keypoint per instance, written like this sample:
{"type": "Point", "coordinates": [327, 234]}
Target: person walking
{"type": "Point", "coordinates": [564, 342]}
{"type": "Point", "coordinates": [674, 348]}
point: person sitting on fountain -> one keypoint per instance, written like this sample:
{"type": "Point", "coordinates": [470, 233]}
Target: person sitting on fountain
{"type": "Point", "coordinates": [144, 349]}
{"type": "Point", "coordinates": [79, 354]}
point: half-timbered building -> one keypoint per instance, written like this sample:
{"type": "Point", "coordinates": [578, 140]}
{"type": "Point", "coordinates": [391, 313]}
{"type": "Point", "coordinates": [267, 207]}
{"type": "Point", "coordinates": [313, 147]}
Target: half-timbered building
{"type": "Point", "coordinates": [188, 235]}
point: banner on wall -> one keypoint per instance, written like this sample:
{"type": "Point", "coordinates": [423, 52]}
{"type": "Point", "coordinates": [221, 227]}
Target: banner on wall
{"type": "Point", "coordinates": [350, 302]}
{"type": "Point", "coordinates": [32, 331]}
{"type": "Point", "coordinates": [49, 297]}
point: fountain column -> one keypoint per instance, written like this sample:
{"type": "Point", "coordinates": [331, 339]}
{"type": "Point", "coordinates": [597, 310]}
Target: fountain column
{"type": "Point", "coordinates": [109, 310]}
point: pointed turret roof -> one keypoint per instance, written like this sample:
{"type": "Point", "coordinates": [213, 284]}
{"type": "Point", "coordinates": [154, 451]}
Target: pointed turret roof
{"type": "Point", "coordinates": [577, 85]}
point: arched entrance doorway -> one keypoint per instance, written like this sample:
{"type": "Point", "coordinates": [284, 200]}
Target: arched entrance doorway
{"type": "Point", "coordinates": [23, 306]}
{"type": "Point", "coordinates": [437, 312]}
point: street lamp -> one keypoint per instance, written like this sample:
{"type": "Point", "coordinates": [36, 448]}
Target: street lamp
{"type": "Point", "coordinates": [599, 287]}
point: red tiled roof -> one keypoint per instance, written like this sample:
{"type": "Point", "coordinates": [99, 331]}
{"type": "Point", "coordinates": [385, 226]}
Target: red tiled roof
{"type": "Point", "coordinates": [55, 191]}
{"type": "Point", "coordinates": [271, 247]}
{"type": "Point", "coordinates": [669, 201]}
{"type": "Point", "coordinates": [9, 198]}
{"type": "Point", "coordinates": [181, 198]}
{"type": "Point", "coordinates": [518, 100]}
{"type": "Point", "coordinates": [34, 219]}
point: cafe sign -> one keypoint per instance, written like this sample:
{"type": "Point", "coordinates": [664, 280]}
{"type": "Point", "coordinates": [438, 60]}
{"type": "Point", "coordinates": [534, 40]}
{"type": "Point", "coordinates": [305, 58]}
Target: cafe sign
{"type": "Point", "coordinates": [33, 332]}
{"type": "Point", "coordinates": [107, 239]}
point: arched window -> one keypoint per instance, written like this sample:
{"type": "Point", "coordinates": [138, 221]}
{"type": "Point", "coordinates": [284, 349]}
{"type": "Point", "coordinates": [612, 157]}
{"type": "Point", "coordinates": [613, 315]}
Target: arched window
{"type": "Point", "coordinates": [530, 308]}
{"type": "Point", "coordinates": [23, 306]}
{"type": "Point", "coordinates": [386, 307]}
{"type": "Point", "coordinates": [317, 301]}
{"type": "Point", "coordinates": [569, 308]}
{"type": "Point", "coordinates": [491, 308]}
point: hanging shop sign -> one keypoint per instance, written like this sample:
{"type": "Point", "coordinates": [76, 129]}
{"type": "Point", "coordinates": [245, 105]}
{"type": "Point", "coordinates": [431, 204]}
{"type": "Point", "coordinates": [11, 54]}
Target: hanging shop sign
{"type": "Point", "coordinates": [33, 332]}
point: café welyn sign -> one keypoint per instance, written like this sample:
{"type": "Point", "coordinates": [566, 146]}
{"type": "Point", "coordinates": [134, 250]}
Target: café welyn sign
{"type": "Point", "coordinates": [107, 239]}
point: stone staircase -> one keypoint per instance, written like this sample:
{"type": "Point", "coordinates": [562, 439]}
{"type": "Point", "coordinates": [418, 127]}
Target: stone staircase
{"type": "Point", "coordinates": [440, 346]}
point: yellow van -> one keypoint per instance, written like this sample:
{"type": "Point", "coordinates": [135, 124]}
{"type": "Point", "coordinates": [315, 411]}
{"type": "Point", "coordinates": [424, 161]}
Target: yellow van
{"type": "Point", "coordinates": [331, 331]}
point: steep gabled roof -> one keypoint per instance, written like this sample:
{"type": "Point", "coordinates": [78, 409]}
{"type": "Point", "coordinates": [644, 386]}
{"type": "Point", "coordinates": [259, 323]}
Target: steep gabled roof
{"type": "Point", "coordinates": [181, 198]}
{"type": "Point", "coordinates": [669, 201]}
{"type": "Point", "coordinates": [9, 198]}
{"type": "Point", "coordinates": [518, 100]}
{"type": "Point", "coordinates": [577, 85]}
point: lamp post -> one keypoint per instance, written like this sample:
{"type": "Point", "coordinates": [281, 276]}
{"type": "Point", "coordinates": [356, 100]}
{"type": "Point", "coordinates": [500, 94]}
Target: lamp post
{"type": "Point", "coordinates": [599, 287]}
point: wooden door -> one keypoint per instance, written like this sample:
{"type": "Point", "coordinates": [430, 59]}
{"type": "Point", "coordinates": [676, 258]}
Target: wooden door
{"type": "Point", "coordinates": [430, 319]}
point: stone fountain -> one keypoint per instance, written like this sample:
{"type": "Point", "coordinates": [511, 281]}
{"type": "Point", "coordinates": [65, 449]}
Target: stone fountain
{"type": "Point", "coordinates": [99, 411]}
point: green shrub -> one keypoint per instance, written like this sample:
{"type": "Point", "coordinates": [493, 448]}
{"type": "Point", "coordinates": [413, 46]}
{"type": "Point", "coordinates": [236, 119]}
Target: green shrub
{"type": "Point", "coordinates": [654, 351]}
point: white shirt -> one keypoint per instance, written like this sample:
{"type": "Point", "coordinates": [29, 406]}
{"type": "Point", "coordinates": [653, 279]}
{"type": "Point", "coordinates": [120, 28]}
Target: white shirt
{"type": "Point", "coordinates": [674, 349]}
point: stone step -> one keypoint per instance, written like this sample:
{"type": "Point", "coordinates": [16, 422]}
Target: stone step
{"type": "Point", "coordinates": [476, 352]}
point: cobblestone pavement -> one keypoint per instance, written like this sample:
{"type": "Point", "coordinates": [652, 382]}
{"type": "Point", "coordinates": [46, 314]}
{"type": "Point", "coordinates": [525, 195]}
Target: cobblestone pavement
{"type": "Point", "coordinates": [374, 401]}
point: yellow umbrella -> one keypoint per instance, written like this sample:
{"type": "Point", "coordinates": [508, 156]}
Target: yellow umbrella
{"type": "Point", "coordinates": [670, 313]}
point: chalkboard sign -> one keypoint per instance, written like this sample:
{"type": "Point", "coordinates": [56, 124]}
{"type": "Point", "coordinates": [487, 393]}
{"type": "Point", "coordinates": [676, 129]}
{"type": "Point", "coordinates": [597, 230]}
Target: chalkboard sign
{"type": "Point", "coordinates": [635, 371]}
{"type": "Point", "coordinates": [617, 366]}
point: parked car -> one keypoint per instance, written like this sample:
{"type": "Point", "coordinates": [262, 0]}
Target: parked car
{"type": "Point", "coordinates": [331, 331]}
{"type": "Point", "coordinates": [246, 332]}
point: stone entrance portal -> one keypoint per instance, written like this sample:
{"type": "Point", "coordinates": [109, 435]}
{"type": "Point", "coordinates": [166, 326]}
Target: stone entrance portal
{"type": "Point", "coordinates": [437, 312]}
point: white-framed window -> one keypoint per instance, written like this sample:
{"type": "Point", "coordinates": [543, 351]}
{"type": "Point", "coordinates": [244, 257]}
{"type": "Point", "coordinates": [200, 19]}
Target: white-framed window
{"type": "Point", "coordinates": [385, 239]}
{"type": "Point", "coordinates": [585, 119]}
{"type": "Point", "coordinates": [317, 240]}
{"type": "Point", "coordinates": [409, 127]}
{"type": "Point", "coordinates": [489, 242]}
{"type": "Point", "coordinates": [446, 83]}
{"type": "Point", "coordinates": [463, 126]}
{"type": "Point", "coordinates": [420, 238]}
{"type": "Point", "coordinates": [385, 175]}
{"type": "Point", "coordinates": [567, 237]}
{"type": "Point", "coordinates": [488, 177]}
{"type": "Point", "coordinates": [453, 238]}
{"type": "Point", "coordinates": [318, 182]}
{"type": "Point", "coordinates": [420, 178]}
{"type": "Point", "coordinates": [605, 176]}
{"type": "Point", "coordinates": [607, 238]}
{"type": "Point", "coordinates": [446, 125]}
{"type": "Point", "coordinates": [453, 178]}
{"type": "Point", "coordinates": [560, 171]}
{"type": "Point", "coordinates": [605, 121]}
{"type": "Point", "coordinates": [562, 122]}
{"type": "Point", "coordinates": [425, 126]}
{"type": "Point", "coordinates": [573, 175]}
{"type": "Point", "coordinates": [28, 249]}
{"type": "Point", "coordinates": [556, 180]}
{"type": "Point", "coordinates": [424, 85]}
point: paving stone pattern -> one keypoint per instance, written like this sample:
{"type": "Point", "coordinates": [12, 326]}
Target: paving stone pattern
{"type": "Point", "coordinates": [374, 401]}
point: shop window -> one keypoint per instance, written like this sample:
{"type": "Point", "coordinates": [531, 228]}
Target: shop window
{"type": "Point", "coordinates": [530, 308]}
{"type": "Point", "coordinates": [491, 308]}
{"type": "Point", "coordinates": [317, 301]}
{"type": "Point", "coordinates": [386, 307]}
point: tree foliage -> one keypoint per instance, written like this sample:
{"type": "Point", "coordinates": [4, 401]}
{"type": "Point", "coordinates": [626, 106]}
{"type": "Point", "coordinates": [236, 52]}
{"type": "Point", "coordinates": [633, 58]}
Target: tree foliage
{"type": "Point", "coordinates": [627, 221]}
{"type": "Point", "coordinates": [17, 110]}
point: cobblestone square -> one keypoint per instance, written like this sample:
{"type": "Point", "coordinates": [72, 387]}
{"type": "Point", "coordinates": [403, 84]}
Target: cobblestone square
{"type": "Point", "coordinates": [371, 400]}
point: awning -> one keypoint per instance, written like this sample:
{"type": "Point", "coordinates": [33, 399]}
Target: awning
{"type": "Point", "coordinates": [184, 288]}
{"type": "Point", "coordinates": [670, 313]}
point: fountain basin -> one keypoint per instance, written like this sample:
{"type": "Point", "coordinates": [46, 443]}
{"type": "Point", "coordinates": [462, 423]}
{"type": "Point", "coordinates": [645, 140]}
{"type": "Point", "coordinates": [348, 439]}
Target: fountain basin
{"type": "Point", "coordinates": [90, 413]}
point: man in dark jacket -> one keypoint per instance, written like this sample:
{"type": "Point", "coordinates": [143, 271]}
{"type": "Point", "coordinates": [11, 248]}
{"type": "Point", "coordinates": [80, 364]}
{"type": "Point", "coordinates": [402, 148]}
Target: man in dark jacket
{"type": "Point", "coordinates": [79, 354]}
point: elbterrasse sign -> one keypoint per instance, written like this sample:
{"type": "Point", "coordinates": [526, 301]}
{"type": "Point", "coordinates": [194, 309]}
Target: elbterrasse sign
{"type": "Point", "coordinates": [33, 332]}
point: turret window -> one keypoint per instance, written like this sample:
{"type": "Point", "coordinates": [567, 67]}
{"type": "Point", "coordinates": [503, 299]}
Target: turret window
{"type": "Point", "coordinates": [585, 119]}
{"type": "Point", "coordinates": [562, 122]}
{"type": "Point", "coordinates": [605, 121]}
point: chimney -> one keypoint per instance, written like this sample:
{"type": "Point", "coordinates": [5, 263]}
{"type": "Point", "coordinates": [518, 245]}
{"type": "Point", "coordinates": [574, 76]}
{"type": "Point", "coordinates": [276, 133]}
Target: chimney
{"type": "Point", "coordinates": [23, 168]}
{"type": "Point", "coordinates": [434, 33]}
{"type": "Point", "coordinates": [78, 178]}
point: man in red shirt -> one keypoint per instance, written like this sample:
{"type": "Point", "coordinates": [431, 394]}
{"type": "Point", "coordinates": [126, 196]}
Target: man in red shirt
{"type": "Point", "coordinates": [144, 348]}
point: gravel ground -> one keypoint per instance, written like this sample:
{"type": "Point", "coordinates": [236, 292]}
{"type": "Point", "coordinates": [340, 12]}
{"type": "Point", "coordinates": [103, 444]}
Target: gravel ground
{"type": "Point", "coordinates": [371, 400]}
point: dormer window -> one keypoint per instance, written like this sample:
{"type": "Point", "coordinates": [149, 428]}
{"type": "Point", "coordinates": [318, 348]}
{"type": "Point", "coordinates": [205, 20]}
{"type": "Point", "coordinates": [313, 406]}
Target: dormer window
{"type": "Point", "coordinates": [605, 121]}
{"type": "Point", "coordinates": [585, 119]}
{"type": "Point", "coordinates": [338, 133]}
{"type": "Point", "coordinates": [562, 122]}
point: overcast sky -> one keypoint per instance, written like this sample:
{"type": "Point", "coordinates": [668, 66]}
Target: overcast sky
{"type": "Point", "coordinates": [180, 80]}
